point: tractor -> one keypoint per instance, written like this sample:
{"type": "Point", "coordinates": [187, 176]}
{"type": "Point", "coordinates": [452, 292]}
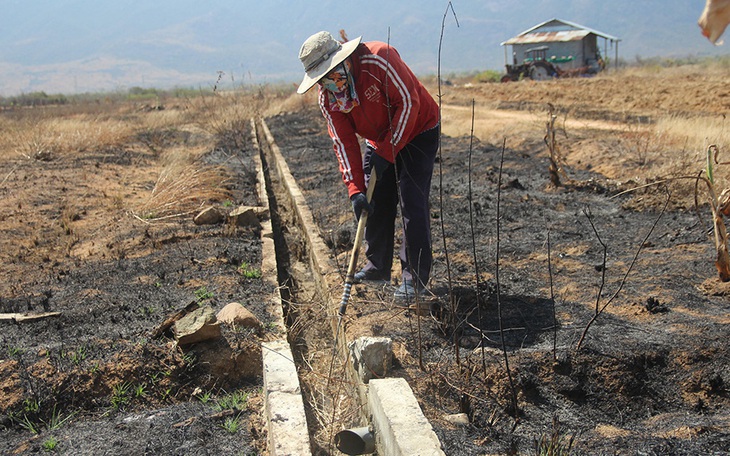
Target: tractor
{"type": "Point", "coordinates": [534, 66]}
{"type": "Point", "coordinates": [538, 67]}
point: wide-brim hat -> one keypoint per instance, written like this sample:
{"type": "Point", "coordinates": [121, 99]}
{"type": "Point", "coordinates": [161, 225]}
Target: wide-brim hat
{"type": "Point", "coordinates": [320, 54]}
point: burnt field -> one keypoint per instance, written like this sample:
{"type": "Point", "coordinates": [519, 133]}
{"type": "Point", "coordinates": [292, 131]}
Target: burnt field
{"type": "Point", "coordinates": [558, 313]}
{"type": "Point", "coordinates": [569, 313]}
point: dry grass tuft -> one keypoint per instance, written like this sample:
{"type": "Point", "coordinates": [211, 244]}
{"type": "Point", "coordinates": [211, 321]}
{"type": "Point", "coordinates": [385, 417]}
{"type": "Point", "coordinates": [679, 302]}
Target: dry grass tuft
{"type": "Point", "coordinates": [221, 109]}
{"type": "Point", "coordinates": [48, 138]}
{"type": "Point", "coordinates": [183, 187]}
{"type": "Point", "coordinates": [87, 134]}
{"type": "Point", "coordinates": [695, 135]}
{"type": "Point", "coordinates": [293, 102]}
{"type": "Point", "coordinates": [675, 146]}
{"type": "Point", "coordinates": [180, 136]}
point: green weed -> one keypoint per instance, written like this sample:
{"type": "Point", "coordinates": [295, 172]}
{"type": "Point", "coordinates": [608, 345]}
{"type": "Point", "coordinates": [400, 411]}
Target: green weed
{"type": "Point", "coordinates": [231, 425]}
{"type": "Point", "coordinates": [31, 405]}
{"type": "Point", "coordinates": [488, 76]}
{"type": "Point", "coordinates": [140, 390]}
{"type": "Point", "coordinates": [234, 401]}
{"type": "Point", "coordinates": [78, 355]}
{"type": "Point", "coordinates": [270, 326]}
{"type": "Point", "coordinates": [29, 425]}
{"type": "Point", "coordinates": [57, 419]}
{"type": "Point", "coordinates": [167, 394]}
{"type": "Point", "coordinates": [205, 397]}
{"type": "Point", "coordinates": [249, 272]}
{"type": "Point", "coordinates": [202, 293]}
{"type": "Point", "coordinates": [50, 444]}
{"type": "Point", "coordinates": [189, 359]}
{"type": "Point", "coordinates": [155, 377]}
{"type": "Point", "coordinates": [37, 424]}
{"type": "Point", "coordinates": [556, 443]}
{"type": "Point", "coordinates": [120, 395]}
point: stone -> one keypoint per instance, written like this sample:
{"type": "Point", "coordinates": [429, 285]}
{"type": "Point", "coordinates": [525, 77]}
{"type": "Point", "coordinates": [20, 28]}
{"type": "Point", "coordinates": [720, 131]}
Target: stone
{"type": "Point", "coordinates": [372, 357]}
{"type": "Point", "coordinates": [247, 215]}
{"type": "Point", "coordinates": [459, 419]}
{"type": "Point", "coordinates": [197, 326]}
{"type": "Point", "coordinates": [224, 363]}
{"type": "Point", "coordinates": [238, 316]}
{"type": "Point", "coordinates": [211, 215]}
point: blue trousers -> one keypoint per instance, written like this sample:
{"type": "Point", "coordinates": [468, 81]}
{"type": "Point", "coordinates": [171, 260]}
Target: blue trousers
{"type": "Point", "coordinates": [411, 174]}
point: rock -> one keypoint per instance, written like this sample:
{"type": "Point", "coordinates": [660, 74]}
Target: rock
{"type": "Point", "coordinates": [236, 315]}
{"type": "Point", "coordinates": [211, 215]}
{"type": "Point", "coordinates": [460, 419]}
{"type": "Point", "coordinates": [372, 357]}
{"type": "Point", "coordinates": [225, 364]}
{"type": "Point", "coordinates": [247, 215]}
{"type": "Point", "coordinates": [197, 326]}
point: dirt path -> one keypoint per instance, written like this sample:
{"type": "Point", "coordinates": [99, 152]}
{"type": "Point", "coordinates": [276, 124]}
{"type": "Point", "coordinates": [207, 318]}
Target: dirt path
{"type": "Point", "coordinates": [489, 122]}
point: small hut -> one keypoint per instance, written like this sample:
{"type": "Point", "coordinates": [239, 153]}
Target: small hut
{"type": "Point", "coordinates": [568, 45]}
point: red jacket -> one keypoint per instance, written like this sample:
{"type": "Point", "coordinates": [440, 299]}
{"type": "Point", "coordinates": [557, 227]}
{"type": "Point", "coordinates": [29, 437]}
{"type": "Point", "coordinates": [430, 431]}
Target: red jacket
{"type": "Point", "coordinates": [381, 79]}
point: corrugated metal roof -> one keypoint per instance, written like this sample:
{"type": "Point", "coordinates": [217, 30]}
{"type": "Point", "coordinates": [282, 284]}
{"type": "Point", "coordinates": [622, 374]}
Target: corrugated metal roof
{"type": "Point", "coordinates": [574, 32]}
{"type": "Point", "coordinates": [548, 37]}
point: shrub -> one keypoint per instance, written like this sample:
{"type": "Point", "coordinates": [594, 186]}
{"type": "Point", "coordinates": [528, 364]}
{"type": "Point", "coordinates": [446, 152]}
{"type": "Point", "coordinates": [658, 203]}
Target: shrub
{"type": "Point", "coordinates": [488, 76]}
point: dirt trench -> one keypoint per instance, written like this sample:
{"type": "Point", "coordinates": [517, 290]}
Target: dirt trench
{"type": "Point", "coordinates": [331, 404]}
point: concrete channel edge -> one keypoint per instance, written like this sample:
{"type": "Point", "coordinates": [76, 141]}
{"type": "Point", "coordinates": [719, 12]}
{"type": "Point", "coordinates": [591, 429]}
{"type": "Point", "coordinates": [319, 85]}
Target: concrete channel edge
{"type": "Point", "coordinates": [284, 413]}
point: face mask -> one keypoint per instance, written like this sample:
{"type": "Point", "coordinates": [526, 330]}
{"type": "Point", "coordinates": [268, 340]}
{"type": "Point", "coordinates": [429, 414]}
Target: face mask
{"type": "Point", "coordinates": [336, 80]}
{"type": "Point", "coordinates": [339, 86]}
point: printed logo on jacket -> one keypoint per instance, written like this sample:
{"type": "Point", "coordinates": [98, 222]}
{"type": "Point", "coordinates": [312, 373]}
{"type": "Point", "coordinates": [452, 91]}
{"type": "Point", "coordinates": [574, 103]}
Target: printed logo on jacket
{"type": "Point", "coordinates": [372, 93]}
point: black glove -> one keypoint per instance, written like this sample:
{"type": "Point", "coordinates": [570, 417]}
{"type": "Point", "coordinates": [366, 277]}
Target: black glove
{"type": "Point", "coordinates": [375, 161]}
{"type": "Point", "coordinates": [360, 203]}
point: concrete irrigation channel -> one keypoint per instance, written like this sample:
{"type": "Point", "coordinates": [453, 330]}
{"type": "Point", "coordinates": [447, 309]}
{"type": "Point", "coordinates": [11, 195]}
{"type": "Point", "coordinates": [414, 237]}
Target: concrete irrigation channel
{"type": "Point", "coordinates": [318, 386]}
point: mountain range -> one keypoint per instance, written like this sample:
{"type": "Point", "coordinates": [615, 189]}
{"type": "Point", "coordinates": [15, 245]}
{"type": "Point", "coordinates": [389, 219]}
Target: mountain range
{"type": "Point", "coordinates": [72, 46]}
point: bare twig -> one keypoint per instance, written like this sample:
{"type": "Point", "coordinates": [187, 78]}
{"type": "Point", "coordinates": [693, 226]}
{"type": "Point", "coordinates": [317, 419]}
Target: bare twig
{"type": "Point", "coordinates": [722, 262]}
{"type": "Point", "coordinates": [9, 174]}
{"type": "Point", "coordinates": [452, 300]}
{"type": "Point", "coordinates": [600, 309]}
{"type": "Point", "coordinates": [499, 300]}
{"type": "Point", "coordinates": [149, 220]}
{"type": "Point", "coordinates": [20, 317]}
{"type": "Point", "coordinates": [552, 296]}
{"type": "Point", "coordinates": [473, 237]}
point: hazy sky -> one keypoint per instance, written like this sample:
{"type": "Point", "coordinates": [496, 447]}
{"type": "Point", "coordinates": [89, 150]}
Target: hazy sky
{"type": "Point", "coordinates": [91, 45]}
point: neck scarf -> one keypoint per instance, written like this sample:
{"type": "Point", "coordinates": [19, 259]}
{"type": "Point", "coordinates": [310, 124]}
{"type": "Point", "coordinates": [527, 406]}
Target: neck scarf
{"type": "Point", "coordinates": [342, 97]}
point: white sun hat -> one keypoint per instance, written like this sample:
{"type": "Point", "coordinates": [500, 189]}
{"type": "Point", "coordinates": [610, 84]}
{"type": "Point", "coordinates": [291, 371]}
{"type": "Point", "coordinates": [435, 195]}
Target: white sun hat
{"type": "Point", "coordinates": [320, 54]}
